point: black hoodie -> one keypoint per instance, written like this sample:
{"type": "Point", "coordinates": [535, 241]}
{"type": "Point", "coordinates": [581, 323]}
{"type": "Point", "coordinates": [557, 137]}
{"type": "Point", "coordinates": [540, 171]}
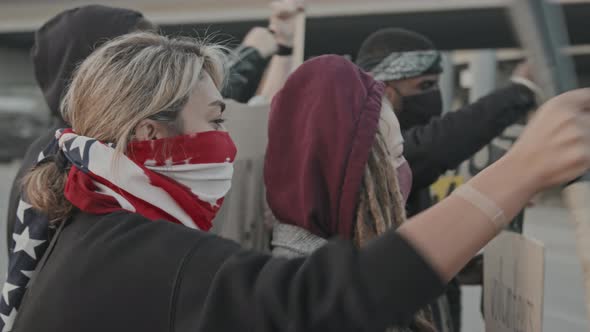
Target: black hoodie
{"type": "Point", "coordinates": [60, 45]}
{"type": "Point", "coordinates": [69, 38]}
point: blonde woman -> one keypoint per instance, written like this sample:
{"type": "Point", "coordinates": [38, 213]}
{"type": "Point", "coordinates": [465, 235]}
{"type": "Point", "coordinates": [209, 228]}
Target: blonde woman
{"type": "Point", "coordinates": [127, 195]}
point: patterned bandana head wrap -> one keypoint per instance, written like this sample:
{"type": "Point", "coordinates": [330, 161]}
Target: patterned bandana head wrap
{"type": "Point", "coordinates": [402, 65]}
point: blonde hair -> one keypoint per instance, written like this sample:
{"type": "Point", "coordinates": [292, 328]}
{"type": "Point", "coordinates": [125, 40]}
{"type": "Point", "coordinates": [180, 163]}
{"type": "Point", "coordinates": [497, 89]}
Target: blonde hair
{"type": "Point", "coordinates": [129, 79]}
{"type": "Point", "coordinates": [381, 207]}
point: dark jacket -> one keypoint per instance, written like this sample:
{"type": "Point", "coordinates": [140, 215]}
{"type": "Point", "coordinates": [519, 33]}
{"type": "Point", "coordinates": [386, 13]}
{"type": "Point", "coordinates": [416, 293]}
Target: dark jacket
{"type": "Point", "coordinates": [446, 142]}
{"type": "Point", "coordinates": [123, 272]}
{"type": "Point", "coordinates": [245, 74]}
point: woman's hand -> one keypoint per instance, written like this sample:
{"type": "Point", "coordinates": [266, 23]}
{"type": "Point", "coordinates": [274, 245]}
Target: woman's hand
{"type": "Point", "coordinates": [553, 149]}
{"type": "Point", "coordinates": [524, 70]}
{"type": "Point", "coordinates": [555, 146]}
{"type": "Point", "coordinates": [282, 20]}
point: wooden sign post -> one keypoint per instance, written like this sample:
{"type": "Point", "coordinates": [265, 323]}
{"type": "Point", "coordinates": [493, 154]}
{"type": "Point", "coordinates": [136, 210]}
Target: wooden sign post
{"type": "Point", "coordinates": [513, 284]}
{"type": "Point", "coordinates": [299, 40]}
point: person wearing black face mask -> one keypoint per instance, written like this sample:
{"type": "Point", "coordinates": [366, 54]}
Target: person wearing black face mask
{"type": "Point", "coordinates": [418, 110]}
{"type": "Point", "coordinates": [409, 64]}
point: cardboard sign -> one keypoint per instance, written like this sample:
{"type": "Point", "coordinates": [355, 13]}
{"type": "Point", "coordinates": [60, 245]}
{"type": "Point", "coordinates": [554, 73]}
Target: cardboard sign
{"type": "Point", "coordinates": [577, 198]}
{"type": "Point", "coordinates": [513, 284]}
{"type": "Point", "coordinates": [248, 127]}
{"type": "Point", "coordinates": [243, 213]}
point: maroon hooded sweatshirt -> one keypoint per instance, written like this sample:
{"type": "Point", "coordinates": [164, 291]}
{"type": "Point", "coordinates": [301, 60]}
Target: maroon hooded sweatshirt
{"type": "Point", "coordinates": [321, 131]}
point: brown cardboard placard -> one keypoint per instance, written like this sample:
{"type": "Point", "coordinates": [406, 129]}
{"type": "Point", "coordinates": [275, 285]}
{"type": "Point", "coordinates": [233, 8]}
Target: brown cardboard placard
{"type": "Point", "coordinates": [243, 213]}
{"type": "Point", "coordinates": [514, 267]}
{"type": "Point", "coordinates": [577, 198]}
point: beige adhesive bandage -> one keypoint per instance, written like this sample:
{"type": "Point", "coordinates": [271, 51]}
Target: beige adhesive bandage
{"type": "Point", "coordinates": [484, 204]}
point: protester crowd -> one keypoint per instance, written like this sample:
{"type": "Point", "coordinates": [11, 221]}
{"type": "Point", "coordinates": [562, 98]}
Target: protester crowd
{"type": "Point", "coordinates": [110, 214]}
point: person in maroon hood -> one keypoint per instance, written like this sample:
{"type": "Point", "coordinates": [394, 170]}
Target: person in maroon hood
{"type": "Point", "coordinates": [334, 163]}
{"type": "Point", "coordinates": [334, 167]}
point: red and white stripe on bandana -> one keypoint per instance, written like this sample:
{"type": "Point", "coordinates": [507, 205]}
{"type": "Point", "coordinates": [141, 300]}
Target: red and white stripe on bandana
{"type": "Point", "coordinates": [182, 179]}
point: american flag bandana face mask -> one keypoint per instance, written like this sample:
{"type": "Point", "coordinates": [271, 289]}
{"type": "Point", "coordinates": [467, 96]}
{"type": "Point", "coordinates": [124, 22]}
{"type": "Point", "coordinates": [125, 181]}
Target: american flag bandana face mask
{"type": "Point", "coordinates": [181, 179]}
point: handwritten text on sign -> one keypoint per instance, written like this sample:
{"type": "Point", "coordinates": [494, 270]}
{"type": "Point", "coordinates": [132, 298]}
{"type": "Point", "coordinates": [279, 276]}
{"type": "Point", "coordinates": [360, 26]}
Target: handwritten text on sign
{"type": "Point", "coordinates": [513, 284]}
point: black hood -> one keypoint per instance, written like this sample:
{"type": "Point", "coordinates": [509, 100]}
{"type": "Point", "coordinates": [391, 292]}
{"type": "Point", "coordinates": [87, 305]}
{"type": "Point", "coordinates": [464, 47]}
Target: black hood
{"type": "Point", "coordinates": [68, 38]}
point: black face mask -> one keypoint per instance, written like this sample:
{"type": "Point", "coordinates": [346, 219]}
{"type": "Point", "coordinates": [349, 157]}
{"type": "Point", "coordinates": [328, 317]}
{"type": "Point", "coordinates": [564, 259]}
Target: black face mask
{"type": "Point", "coordinates": [418, 110]}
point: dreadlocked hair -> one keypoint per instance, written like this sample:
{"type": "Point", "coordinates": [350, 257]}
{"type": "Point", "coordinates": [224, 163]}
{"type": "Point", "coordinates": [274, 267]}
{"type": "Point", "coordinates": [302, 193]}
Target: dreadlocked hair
{"type": "Point", "coordinates": [381, 207]}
